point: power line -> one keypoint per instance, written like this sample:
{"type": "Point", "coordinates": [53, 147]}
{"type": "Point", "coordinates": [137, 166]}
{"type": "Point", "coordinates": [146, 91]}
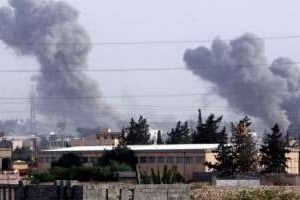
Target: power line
{"type": "Point", "coordinates": [155, 42]}
{"type": "Point", "coordinates": [94, 70]}
{"type": "Point", "coordinates": [146, 69]}
{"type": "Point", "coordinates": [191, 41]}
{"type": "Point", "coordinates": [44, 98]}
{"type": "Point", "coordinates": [107, 97]}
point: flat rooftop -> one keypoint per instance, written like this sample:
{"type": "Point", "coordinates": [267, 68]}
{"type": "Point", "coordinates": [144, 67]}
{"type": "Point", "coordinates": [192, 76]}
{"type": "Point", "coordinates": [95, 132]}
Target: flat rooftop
{"type": "Point", "coordinates": [153, 147]}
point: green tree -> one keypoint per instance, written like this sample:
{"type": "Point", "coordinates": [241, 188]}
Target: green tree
{"type": "Point", "coordinates": [23, 153]}
{"type": "Point", "coordinates": [244, 149]}
{"type": "Point", "coordinates": [273, 152]}
{"type": "Point", "coordinates": [159, 138]}
{"type": "Point", "coordinates": [224, 165]}
{"type": "Point", "coordinates": [180, 134]}
{"type": "Point", "coordinates": [208, 132]}
{"type": "Point", "coordinates": [136, 132]}
{"type": "Point", "coordinates": [68, 160]}
{"type": "Point", "coordinates": [120, 154]}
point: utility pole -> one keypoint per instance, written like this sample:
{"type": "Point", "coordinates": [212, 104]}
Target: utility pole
{"type": "Point", "coordinates": [32, 110]}
{"type": "Point", "coordinates": [33, 122]}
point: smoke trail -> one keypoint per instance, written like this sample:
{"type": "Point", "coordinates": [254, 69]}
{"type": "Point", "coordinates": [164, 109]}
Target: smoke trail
{"type": "Point", "coordinates": [49, 31]}
{"type": "Point", "coordinates": [240, 73]}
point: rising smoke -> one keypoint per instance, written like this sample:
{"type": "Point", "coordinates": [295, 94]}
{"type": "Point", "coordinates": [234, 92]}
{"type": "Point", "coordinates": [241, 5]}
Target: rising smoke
{"type": "Point", "coordinates": [49, 31]}
{"type": "Point", "coordinates": [241, 74]}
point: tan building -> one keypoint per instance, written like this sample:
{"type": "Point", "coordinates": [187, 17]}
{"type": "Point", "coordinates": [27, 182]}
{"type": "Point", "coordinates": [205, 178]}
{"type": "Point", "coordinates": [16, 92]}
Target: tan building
{"type": "Point", "coordinates": [103, 138]}
{"type": "Point", "coordinates": [293, 161]}
{"type": "Point", "coordinates": [189, 158]}
{"type": "Point", "coordinates": [21, 167]}
{"type": "Point", "coordinates": [108, 137]}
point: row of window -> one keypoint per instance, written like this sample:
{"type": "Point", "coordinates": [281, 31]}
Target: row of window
{"type": "Point", "coordinates": [142, 159]}
{"type": "Point", "coordinates": [83, 159]}
{"type": "Point", "coordinates": [47, 159]}
{"type": "Point", "coordinates": [172, 159]}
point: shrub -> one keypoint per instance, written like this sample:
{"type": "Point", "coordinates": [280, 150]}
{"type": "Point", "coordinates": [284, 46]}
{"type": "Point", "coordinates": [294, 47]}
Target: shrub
{"type": "Point", "coordinates": [119, 167]}
{"type": "Point", "coordinates": [37, 178]}
{"type": "Point", "coordinates": [167, 176]}
{"type": "Point", "coordinates": [261, 194]}
{"type": "Point", "coordinates": [61, 173]}
{"type": "Point", "coordinates": [68, 160]}
{"type": "Point", "coordinates": [100, 173]}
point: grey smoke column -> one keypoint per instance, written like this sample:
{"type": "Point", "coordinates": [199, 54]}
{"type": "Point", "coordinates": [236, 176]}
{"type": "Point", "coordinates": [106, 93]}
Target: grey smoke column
{"type": "Point", "coordinates": [241, 74]}
{"type": "Point", "coordinates": [49, 31]}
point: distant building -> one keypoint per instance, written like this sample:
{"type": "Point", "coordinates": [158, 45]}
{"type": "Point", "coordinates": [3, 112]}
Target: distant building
{"type": "Point", "coordinates": [21, 141]}
{"type": "Point", "coordinates": [153, 135]}
{"type": "Point", "coordinates": [104, 137]}
{"type": "Point", "coordinates": [90, 141]}
{"type": "Point", "coordinates": [21, 167]}
{"type": "Point", "coordinates": [59, 141]}
{"type": "Point", "coordinates": [5, 151]}
{"type": "Point", "coordinates": [108, 137]}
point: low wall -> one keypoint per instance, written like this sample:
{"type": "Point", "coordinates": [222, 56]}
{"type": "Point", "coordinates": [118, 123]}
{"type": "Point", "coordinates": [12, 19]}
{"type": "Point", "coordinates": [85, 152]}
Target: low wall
{"type": "Point", "coordinates": [236, 182]}
{"type": "Point", "coordinates": [135, 192]}
{"type": "Point", "coordinates": [97, 191]}
{"type": "Point", "coordinates": [40, 192]}
{"type": "Point", "coordinates": [116, 191]}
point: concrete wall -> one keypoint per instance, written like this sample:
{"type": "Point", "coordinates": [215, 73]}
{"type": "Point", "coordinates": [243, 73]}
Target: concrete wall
{"type": "Point", "coordinates": [40, 192]}
{"type": "Point", "coordinates": [115, 191]}
{"type": "Point", "coordinates": [88, 191]}
{"type": "Point", "coordinates": [135, 192]}
{"type": "Point", "coordinates": [236, 182]}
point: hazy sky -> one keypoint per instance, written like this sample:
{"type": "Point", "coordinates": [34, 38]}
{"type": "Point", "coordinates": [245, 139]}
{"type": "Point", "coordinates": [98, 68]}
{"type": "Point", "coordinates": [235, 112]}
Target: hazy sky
{"type": "Point", "coordinates": [156, 20]}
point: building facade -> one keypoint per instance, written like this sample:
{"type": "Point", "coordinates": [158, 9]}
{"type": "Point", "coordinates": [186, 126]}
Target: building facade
{"type": "Point", "coordinates": [102, 138]}
{"type": "Point", "coordinates": [189, 158]}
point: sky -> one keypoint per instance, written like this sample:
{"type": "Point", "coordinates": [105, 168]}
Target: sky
{"type": "Point", "coordinates": [156, 20]}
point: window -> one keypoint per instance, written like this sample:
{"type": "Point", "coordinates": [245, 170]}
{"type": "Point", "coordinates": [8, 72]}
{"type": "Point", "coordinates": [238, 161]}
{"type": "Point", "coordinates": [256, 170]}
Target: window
{"type": "Point", "coordinates": [161, 159]}
{"type": "Point", "coordinates": [143, 159]}
{"type": "Point", "coordinates": [200, 159]}
{"type": "Point", "coordinates": [53, 159]}
{"type": "Point", "coordinates": [41, 159]}
{"type": "Point", "coordinates": [84, 159]}
{"type": "Point", "coordinates": [93, 159]}
{"type": "Point", "coordinates": [170, 159]}
{"type": "Point", "coordinates": [188, 160]}
{"type": "Point", "coordinates": [179, 159]}
{"type": "Point", "coordinates": [151, 159]}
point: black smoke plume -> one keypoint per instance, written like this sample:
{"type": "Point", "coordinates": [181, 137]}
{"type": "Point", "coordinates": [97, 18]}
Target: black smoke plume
{"type": "Point", "coordinates": [242, 75]}
{"type": "Point", "coordinates": [49, 31]}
